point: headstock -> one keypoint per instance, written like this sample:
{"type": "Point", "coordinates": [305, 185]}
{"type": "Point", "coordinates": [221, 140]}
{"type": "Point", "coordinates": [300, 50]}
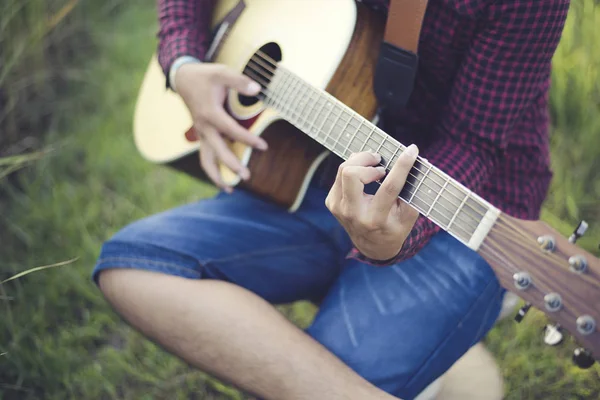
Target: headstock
{"type": "Point", "coordinates": [552, 274]}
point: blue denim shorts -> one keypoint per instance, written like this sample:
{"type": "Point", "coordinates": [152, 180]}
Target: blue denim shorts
{"type": "Point", "coordinates": [400, 327]}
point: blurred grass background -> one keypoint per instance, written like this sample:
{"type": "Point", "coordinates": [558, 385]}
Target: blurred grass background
{"type": "Point", "coordinates": [69, 75]}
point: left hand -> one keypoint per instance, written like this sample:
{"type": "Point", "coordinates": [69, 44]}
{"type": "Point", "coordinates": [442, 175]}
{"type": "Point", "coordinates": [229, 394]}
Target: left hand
{"type": "Point", "coordinates": [378, 225]}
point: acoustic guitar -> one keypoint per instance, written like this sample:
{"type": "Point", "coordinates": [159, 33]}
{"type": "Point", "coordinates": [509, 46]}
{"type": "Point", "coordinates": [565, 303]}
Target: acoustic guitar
{"type": "Point", "coordinates": [316, 74]}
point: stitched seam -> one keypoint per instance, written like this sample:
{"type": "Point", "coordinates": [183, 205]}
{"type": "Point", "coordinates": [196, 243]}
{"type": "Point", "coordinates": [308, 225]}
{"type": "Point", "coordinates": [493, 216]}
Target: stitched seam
{"type": "Point", "coordinates": [416, 373]}
{"type": "Point", "coordinates": [488, 310]}
{"type": "Point", "coordinates": [144, 260]}
{"type": "Point", "coordinates": [257, 253]}
{"type": "Point", "coordinates": [109, 260]}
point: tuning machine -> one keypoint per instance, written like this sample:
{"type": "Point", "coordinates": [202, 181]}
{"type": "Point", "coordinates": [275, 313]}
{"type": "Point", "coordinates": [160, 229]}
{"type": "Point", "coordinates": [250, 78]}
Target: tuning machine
{"type": "Point", "coordinates": [522, 312]}
{"type": "Point", "coordinates": [583, 358]}
{"type": "Point", "coordinates": [579, 231]}
{"type": "Point", "coordinates": [553, 335]}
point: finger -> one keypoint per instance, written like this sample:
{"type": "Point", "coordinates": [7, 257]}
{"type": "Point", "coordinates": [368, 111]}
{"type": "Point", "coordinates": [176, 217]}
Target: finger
{"type": "Point", "coordinates": [335, 192]}
{"type": "Point", "coordinates": [224, 153]}
{"type": "Point", "coordinates": [363, 159]}
{"type": "Point", "coordinates": [390, 189]}
{"type": "Point", "coordinates": [232, 129]}
{"type": "Point", "coordinates": [237, 81]}
{"type": "Point", "coordinates": [208, 161]}
{"type": "Point", "coordinates": [354, 179]}
{"type": "Point", "coordinates": [355, 159]}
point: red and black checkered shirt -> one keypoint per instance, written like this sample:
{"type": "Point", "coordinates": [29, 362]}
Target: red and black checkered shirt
{"type": "Point", "coordinates": [479, 109]}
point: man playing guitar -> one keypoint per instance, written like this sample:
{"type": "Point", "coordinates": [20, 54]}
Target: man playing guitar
{"type": "Point", "coordinates": [400, 299]}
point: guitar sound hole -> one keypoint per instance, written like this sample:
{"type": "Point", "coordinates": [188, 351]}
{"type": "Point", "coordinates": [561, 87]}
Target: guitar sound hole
{"type": "Point", "coordinates": [260, 68]}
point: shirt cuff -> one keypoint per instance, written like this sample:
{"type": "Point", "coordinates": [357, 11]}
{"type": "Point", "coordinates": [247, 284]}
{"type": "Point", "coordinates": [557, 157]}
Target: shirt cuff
{"type": "Point", "coordinates": [469, 163]}
{"type": "Point", "coordinates": [175, 47]}
{"type": "Point", "coordinates": [175, 66]}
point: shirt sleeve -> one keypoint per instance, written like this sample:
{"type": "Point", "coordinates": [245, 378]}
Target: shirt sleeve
{"type": "Point", "coordinates": [184, 29]}
{"type": "Point", "coordinates": [506, 68]}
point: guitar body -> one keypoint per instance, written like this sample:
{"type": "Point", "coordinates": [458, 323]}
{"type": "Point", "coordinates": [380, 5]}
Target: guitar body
{"type": "Point", "coordinates": [337, 54]}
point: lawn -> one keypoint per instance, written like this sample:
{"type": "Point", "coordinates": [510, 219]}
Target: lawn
{"type": "Point", "coordinates": [60, 340]}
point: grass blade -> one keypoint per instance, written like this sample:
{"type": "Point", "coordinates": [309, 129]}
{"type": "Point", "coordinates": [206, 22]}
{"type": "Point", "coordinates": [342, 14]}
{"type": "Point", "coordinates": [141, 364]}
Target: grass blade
{"type": "Point", "coordinates": [29, 271]}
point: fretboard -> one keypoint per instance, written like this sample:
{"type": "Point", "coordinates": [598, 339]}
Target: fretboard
{"type": "Point", "coordinates": [338, 128]}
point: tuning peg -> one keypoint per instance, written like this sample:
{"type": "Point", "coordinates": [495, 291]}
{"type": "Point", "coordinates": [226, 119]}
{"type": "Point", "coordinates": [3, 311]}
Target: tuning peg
{"type": "Point", "coordinates": [553, 335]}
{"type": "Point", "coordinates": [579, 231]}
{"type": "Point", "coordinates": [522, 312]}
{"type": "Point", "coordinates": [583, 358]}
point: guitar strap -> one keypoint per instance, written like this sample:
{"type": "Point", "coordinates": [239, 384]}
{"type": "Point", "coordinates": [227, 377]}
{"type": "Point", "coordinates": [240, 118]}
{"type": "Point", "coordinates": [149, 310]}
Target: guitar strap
{"type": "Point", "coordinates": [397, 64]}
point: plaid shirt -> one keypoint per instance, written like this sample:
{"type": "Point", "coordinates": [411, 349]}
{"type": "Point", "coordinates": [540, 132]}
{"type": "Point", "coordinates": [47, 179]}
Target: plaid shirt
{"type": "Point", "coordinates": [479, 109]}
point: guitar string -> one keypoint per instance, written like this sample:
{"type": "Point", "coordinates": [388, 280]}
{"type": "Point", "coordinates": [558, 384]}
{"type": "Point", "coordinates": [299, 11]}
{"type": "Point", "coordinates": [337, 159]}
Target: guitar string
{"type": "Point", "coordinates": [416, 196]}
{"type": "Point", "coordinates": [419, 181]}
{"type": "Point", "coordinates": [383, 138]}
{"type": "Point", "coordinates": [509, 225]}
{"type": "Point", "coordinates": [415, 193]}
{"type": "Point", "coordinates": [507, 228]}
{"type": "Point", "coordinates": [554, 258]}
{"type": "Point", "coordinates": [500, 219]}
{"type": "Point", "coordinates": [571, 297]}
{"type": "Point", "coordinates": [498, 256]}
{"type": "Point", "coordinates": [557, 261]}
{"type": "Point", "coordinates": [495, 252]}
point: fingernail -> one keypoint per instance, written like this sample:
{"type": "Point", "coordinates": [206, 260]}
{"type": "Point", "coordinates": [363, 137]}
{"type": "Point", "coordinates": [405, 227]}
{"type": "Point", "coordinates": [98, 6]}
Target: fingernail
{"type": "Point", "coordinates": [411, 150]}
{"type": "Point", "coordinates": [376, 155]}
{"type": "Point", "coordinates": [244, 174]}
{"type": "Point", "coordinates": [381, 170]}
{"type": "Point", "coordinates": [262, 145]}
{"type": "Point", "coordinates": [253, 87]}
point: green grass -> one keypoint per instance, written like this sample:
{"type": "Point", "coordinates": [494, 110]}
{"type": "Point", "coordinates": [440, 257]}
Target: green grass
{"type": "Point", "coordinates": [60, 338]}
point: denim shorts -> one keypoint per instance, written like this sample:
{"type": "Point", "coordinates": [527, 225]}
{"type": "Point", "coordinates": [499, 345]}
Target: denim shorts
{"type": "Point", "coordinates": [400, 327]}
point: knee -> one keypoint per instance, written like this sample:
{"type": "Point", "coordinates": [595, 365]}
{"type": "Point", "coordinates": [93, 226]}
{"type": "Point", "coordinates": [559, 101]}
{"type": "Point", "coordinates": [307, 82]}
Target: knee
{"type": "Point", "coordinates": [113, 281]}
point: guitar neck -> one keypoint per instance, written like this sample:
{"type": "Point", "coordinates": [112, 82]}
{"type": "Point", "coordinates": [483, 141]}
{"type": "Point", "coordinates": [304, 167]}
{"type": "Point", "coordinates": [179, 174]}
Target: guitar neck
{"type": "Point", "coordinates": [338, 128]}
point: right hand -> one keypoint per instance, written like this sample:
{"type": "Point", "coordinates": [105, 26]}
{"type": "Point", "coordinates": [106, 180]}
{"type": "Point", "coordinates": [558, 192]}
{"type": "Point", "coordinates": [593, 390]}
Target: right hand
{"type": "Point", "coordinates": [203, 88]}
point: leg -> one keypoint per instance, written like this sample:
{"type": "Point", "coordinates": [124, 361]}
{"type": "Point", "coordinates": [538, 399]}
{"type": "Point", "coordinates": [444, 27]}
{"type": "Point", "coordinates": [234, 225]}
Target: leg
{"type": "Point", "coordinates": [403, 326]}
{"type": "Point", "coordinates": [195, 280]}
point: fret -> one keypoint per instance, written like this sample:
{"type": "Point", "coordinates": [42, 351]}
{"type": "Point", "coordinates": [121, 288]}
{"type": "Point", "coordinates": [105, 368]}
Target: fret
{"type": "Point", "coordinates": [437, 197]}
{"type": "Point", "coordinates": [332, 132]}
{"type": "Point", "coordinates": [286, 86]}
{"type": "Point", "coordinates": [381, 144]}
{"type": "Point", "coordinates": [328, 134]}
{"type": "Point", "coordinates": [348, 145]}
{"type": "Point", "coordinates": [320, 128]}
{"type": "Point", "coordinates": [420, 183]}
{"type": "Point", "coordinates": [460, 207]}
{"type": "Point", "coordinates": [307, 108]}
{"type": "Point", "coordinates": [311, 128]}
{"type": "Point", "coordinates": [306, 98]}
{"type": "Point", "coordinates": [389, 162]}
{"type": "Point", "coordinates": [291, 93]}
{"type": "Point", "coordinates": [296, 85]}
{"type": "Point", "coordinates": [471, 214]}
{"type": "Point", "coordinates": [454, 200]}
{"type": "Point", "coordinates": [273, 96]}
{"type": "Point", "coordinates": [341, 135]}
{"type": "Point", "coordinates": [367, 139]}
{"type": "Point", "coordinates": [328, 107]}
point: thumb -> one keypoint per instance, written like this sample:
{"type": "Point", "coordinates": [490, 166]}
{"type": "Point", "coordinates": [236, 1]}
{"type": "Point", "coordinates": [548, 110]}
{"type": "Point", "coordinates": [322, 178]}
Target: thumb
{"type": "Point", "coordinates": [238, 82]}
